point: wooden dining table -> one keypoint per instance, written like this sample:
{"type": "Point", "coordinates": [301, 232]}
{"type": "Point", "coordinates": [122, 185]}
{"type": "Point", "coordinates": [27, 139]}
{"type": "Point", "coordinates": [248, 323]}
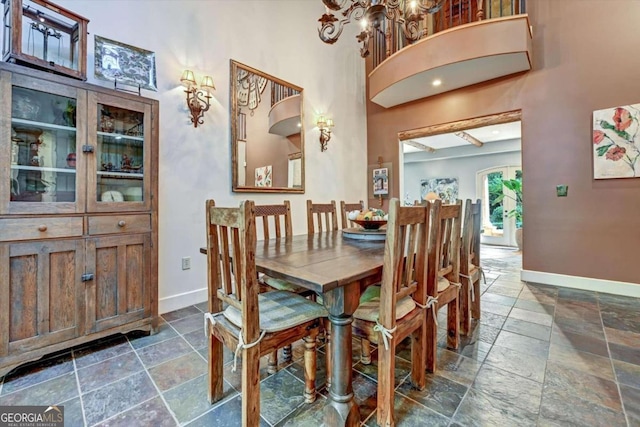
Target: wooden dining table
{"type": "Point", "coordinates": [337, 268]}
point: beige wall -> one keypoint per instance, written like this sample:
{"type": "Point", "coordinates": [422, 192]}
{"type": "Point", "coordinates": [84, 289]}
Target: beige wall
{"type": "Point", "coordinates": [585, 58]}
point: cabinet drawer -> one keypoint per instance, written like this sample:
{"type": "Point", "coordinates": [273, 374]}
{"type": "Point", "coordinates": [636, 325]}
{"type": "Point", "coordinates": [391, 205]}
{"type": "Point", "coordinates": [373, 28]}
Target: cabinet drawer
{"type": "Point", "coordinates": [39, 228]}
{"type": "Point", "coordinates": [119, 224]}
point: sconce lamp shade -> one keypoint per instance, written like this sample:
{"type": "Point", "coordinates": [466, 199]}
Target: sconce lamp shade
{"type": "Point", "coordinates": [188, 79]}
{"type": "Point", "coordinates": [329, 123]}
{"type": "Point", "coordinates": [207, 84]}
{"type": "Point", "coordinates": [321, 122]}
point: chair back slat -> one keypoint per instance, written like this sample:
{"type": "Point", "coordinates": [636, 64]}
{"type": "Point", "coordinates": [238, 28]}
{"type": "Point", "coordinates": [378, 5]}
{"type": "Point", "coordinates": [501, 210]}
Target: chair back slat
{"type": "Point", "coordinates": [403, 271]}
{"type": "Point", "coordinates": [345, 208]}
{"type": "Point", "coordinates": [279, 216]}
{"type": "Point", "coordinates": [315, 214]}
{"type": "Point", "coordinates": [444, 244]}
{"type": "Point", "coordinates": [231, 245]}
{"type": "Point", "coordinates": [470, 247]}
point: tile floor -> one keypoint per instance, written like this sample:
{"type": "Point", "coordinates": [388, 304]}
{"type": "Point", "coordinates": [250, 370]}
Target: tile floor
{"type": "Point", "coordinates": [539, 356]}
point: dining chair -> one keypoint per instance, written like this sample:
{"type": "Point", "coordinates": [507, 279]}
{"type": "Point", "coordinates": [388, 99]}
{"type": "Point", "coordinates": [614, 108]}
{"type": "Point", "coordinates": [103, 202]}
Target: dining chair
{"type": "Point", "coordinates": [470, 270]}
{"type": "Point", "coordinates": [315, 214]}
{"type": "Point", "coordinates": [345, 208]}
{"type": "Point", "coordinates": [443, 275]}
{"type": "Point", "coordinates": [396, 308]}
{"type": "Point", "coordinates": [253, 324]}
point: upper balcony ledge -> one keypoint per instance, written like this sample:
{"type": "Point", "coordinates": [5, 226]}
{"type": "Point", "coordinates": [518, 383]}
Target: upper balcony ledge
{"type": "Point", "coordinates": [458, 57]}
{"type": "Point", "coordinates": [284, 116]}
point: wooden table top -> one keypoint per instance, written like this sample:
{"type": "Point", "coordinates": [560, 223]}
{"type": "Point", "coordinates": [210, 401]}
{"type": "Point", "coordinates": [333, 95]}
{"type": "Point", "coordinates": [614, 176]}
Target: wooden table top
{"type": "Point", "coordinates": [320, 262]}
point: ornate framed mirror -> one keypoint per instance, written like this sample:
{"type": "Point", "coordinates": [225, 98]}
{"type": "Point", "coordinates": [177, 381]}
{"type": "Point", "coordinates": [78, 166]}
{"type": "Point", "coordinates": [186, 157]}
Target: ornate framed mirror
{"type": "Point", "coordinates": [267, 134]}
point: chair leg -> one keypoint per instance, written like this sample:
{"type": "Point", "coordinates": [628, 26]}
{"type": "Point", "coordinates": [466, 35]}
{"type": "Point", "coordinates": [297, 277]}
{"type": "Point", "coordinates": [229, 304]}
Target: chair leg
{"type": "Point", "coordinates": [465, 306]}
{"type": "Point", "coordinates": [251, 386]}
{"type": "Point", "coordinates": [215, 369]}
{"type": "Point", "coordinates": [453, 321]}
{"type": "Point", "coordinates": [386, 383]}
{"type": "Point", "coordinates": [286, 353]}
{"type": "Point", "coordinates": [327, 350]}
{"type": "Point", "coordinates": [419, 357]}
{"type": "Point", "coordinates": [431, 340]}
{"type": "Point", "coordinates": [272, 362]}
{"type": "Point", "coordinates": [310, 367]}
{"type": "Point", "coordinates": [475, 305]}
{"type": "Point", "coordinates": [365, 356]}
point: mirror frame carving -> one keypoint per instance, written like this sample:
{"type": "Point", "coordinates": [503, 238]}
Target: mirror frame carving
{"type": "Point", "coordinates": [233, 106]}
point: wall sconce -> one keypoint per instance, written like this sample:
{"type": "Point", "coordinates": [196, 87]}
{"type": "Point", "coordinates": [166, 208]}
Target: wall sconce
{"type": "Point", "coordinates": [325, 126]}
{"type": "Point", "coordinates": [198, 98]}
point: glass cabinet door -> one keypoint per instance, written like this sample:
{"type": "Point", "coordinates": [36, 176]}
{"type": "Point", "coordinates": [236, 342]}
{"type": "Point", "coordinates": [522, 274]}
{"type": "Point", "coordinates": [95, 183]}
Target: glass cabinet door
{"type": "Point", "coordinates": [43, 176]}
{"type": "Point", "coordinates": [118, 174]}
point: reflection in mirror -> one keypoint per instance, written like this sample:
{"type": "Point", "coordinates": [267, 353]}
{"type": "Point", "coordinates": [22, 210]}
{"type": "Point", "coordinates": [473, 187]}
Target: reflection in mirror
{"type": "Point", "coordinates": [267, 142]}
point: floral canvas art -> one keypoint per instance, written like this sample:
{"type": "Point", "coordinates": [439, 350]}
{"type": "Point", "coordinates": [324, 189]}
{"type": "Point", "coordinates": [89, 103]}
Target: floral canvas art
{"type": "Point", "coordinates": [264, 178]}
{"type": "Point", "coordinates": [445, 188]}
{"type": "Point", "coordinates": [616, 142]}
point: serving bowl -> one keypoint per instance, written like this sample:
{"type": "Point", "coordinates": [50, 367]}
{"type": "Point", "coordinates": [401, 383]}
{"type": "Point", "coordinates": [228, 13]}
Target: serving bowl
{"type": "Point", "coordinates": [370, 224]}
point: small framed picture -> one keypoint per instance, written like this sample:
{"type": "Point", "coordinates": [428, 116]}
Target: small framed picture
{"type": "Point", "coordinates": [381, 182]}
{"type": "Point", "coordinates": [129, 65]}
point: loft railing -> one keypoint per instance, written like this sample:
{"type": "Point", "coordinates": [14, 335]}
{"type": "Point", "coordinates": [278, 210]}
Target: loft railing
{"type": "Point", "coordinates": [280, 92]}
{"type": "Point", "coordinates": [391, 35]}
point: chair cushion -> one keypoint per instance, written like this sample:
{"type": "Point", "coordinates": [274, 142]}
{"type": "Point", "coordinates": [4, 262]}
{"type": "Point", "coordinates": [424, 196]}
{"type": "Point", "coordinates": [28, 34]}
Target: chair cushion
{"type": "Point", "coordinates": [280, 310]}
{"type": "Point", "coordinates": [442, 284]}
{"type": "Point", "coordinates": [369, 308]}
{"type": "Point", "coordinates": [281, 285]}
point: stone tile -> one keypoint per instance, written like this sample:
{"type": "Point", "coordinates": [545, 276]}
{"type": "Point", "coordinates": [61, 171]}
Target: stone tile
{"type": "Point", "coordinates": [440, 394]}
{"type": "Point", "coordinates": [585, 362]}
{"type": "Point", "coordinates": [73, 412]}
{"type": "Point", "coordinates": [515, 390]}
{"type": "Point", "coordinates": [498, 299]}
{"type": "Point", "coordinates": [506, 291]}
{"type": "Point", "coordinates": [203, 306]}
{"type": "Point", "coordinates": [152, 412]}
{"type": "Point", "coordinates": [117, 397]}
{"type": "Point", "coordinates": [531, 316]}
{"type": "Point", "coordinates": [181, 313]}
{"type": "Point", "coordinates": [469, 346]}
{"type": "Point", "coordinates": [196, 339]}
{"type": "Point", "coordinates": [491, 319]}
{"type": "Point", "coordinates": [624, 320]}
{"type": "Point", "coordinates": [541, 298]}
{"type": "Point", "coordinates": [578, 326]}
{"type": "Point", "coordinates": [570, 384]}
{"type": "Point", "coordinates": [577, 295]}
{"type": "Point", "coordinates": [502, 310]}
{"type": "Point", "coordinates": [515, 362]}
{"type": "Point", "coordinates": [139, 339]}
{"type": "Point", "coordinates": [625, 354]}
{"type": "Point", "coordinates": [229, 414]}
{"type": "Point", "coordinates": [617, 336]}
{"type": "Point", "coordinates": [305, 415]}
{"type": "Point", "coordinates": [457, 368]}
{"type": "Point", "coordinates": [189, 400]}
{"type": "Point", "coordinates": [631, 402]}
{"type": "Point", "coordinates": [580, 342]}
{"type": "Point", "coordinates": [535, 306]}
{"type": "Point", "coordinates": [188, 324]}
{"type": "Point", "coordinates": [280, 394]}
{"type": "Point", "coordinates": [34, 373]}
{"type": "Point", "coordinates": [507, 281]}
{"type": "Point", "coordinates": [101, 350]}
{"type": "Point", "coordinates": [408, 413]}
{"type": "Point", "coordinates": [533, 330]}
{"type": "Point", "coordinates": [523, 344]}
{"type": "Point", "coordinates": [166, 350]}
{"type": "Point", "coordinates": [619, 301]}
{"type": "Point", "coordinates": [479, 409]}
{"type": "Point", "coordinates": [560, 409]}
{"type": "Point", "coordinates": [486, 334]}
{"type": "Point", "coordinates": [177, 371]}
{"type": "Point", "coordinates": [365, 394]}
{"type": "Point", "coordinates": [627, 373]}
{"type": "Point", "coordinates": [51, 392]}
{"type": "Point", "coordinates": [108, 371]}
{"type": "Point", "coordinates": [297, 369]}
{"type": "Point", "coordinates": [403, 368]}
{"type": "Point", "coordinates": [235, 378]}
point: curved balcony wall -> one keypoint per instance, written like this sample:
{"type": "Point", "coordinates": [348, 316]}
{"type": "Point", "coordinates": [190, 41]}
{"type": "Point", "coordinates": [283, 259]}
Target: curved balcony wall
{"type": "Point", "coordinates": [284, 116]}
{"type": "Point", "coordinates": [461, 56]}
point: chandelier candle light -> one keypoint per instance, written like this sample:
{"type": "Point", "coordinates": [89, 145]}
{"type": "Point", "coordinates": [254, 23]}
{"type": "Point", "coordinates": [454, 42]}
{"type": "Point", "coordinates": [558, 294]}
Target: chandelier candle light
{"type": "Point", "coordinates": [198, 98]}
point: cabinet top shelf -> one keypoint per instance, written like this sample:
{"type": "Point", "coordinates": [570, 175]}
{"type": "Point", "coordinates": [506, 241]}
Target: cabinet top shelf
{"type": "Point", "coordinates": [40, 125]}
{"type": "Point", "coordinates": [42, 168]}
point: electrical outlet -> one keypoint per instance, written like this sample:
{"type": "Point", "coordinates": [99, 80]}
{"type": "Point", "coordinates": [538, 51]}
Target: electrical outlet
{"type": "Point", "coordinates": [186, 263]}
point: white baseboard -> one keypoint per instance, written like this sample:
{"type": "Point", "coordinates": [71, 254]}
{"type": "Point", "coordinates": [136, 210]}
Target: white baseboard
{"type": "Point", "coordinates": [584, 283]}
{"type": "Point", "coordinates": [185, 299]}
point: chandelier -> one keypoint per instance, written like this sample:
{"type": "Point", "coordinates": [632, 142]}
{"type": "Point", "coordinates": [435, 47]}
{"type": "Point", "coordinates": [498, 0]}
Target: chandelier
{"type": "Point", "coordinates": [406, 16]}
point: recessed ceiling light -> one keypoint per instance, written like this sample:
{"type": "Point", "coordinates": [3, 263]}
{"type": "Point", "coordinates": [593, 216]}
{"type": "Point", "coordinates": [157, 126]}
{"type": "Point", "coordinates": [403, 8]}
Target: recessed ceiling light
{"type": "Point", "coordinates": [437, 82]}
{"type": "Point", "coordinates": [495, 132]}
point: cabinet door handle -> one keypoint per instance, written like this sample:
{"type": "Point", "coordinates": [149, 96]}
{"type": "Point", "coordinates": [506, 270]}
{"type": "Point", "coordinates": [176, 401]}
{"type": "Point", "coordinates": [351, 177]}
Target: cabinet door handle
{"type": "Point", "coordinates": [121, 223]}
{"type": "Point", "coordinates": [42, 227]}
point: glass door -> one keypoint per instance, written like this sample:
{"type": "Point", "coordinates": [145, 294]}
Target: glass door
{"type": "Point", "coordinates": [498, 228]}
{"type": "Point", "coordinates": [120, 134]}
{"type": "Point", "coordinates": [42, 175]}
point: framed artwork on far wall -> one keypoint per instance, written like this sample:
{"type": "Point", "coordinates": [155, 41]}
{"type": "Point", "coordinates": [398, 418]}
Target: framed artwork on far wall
{"type": "Point", "coordinates": [380, 182]}
{"type": "Point", "coordinates": [445, 188]}
{"type": "Point", "coordinates": [125, 64]}
{"type": "Point", "coordinates": [616, 142]}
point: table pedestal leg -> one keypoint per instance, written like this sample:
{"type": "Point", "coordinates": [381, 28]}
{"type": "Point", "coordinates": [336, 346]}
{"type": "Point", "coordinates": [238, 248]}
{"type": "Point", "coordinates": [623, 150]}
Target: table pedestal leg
{"type": "Point", "coordinates": [341, 409]}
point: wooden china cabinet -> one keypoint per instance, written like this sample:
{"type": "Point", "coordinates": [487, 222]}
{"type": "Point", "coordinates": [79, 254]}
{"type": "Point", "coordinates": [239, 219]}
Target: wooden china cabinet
{"type": "Point", "coordinates": [78, 213]}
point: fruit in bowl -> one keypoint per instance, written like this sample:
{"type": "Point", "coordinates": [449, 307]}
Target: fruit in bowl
{"type": "Point", "coordinates": [371, 219]}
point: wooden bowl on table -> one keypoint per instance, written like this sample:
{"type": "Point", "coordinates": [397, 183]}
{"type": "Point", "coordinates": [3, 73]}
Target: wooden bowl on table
{"type": "Point", "coordinates": [370, 224]}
